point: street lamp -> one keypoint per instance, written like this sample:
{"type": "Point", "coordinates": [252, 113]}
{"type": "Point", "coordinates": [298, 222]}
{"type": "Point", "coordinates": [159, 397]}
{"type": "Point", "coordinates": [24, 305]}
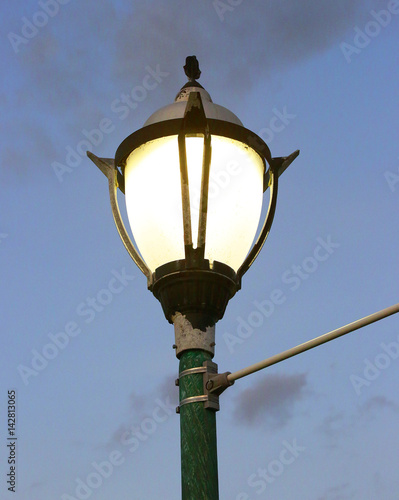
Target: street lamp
{"type": "Point", "coordinates": [194, 248]}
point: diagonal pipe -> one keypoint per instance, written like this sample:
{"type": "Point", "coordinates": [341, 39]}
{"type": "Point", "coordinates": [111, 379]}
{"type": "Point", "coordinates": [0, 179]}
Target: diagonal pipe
{"type": "Point", "coordinates": [219, 383]}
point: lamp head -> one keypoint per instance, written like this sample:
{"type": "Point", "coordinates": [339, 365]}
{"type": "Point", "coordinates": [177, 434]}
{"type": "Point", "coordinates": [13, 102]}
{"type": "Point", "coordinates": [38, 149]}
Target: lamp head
{"type": "Point", "coordinates": [193, 218]}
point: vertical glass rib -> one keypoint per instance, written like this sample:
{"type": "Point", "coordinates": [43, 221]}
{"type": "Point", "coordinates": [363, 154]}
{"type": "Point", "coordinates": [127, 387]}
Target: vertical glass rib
{"type": "Point", "coordinates": [185, 192]}
{"type": "Point", "coordinates": [203, 211]}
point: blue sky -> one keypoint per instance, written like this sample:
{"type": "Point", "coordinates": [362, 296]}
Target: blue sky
{"type": "Point", "coordinates": [320, 426]}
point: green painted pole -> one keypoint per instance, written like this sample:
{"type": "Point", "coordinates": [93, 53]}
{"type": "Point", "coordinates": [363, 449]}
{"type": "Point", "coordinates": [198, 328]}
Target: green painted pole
{"type": "Point", "coordinates": [199, 470]}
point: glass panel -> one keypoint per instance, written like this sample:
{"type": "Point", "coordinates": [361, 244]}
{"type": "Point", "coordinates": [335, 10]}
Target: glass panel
{"type": "Point", "coordinates": [153, 201]}
{"type": "Point", "coordinates": [153, 198]}
{"type": "Point", "coordinates": [235, 201]}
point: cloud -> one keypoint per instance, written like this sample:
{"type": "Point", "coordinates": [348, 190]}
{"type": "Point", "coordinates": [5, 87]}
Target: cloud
{"type": "Point", "coordinates": [141, 406]}
{"type": "Point", "coordinates": [65, 79]}
{"type": "Point", "coordinates": [18, 158]}
{"type": "Point", "coordinates": [337, 425]}
{"type": "Point", "coordinates": [333, 424]}
{"type": "Point", "coordinates": [339, 492]}
{"type": "Point", "coordinates": [375, 404]}
{"type": "Point", "coordinates": [254, 39]}
{"type": "Point", "coordinates": [271, 401]}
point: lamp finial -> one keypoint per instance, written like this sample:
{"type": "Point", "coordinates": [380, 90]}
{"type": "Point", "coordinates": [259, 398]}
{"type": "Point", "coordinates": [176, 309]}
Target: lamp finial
{"type": "Point", "coordinates": [192, 68]}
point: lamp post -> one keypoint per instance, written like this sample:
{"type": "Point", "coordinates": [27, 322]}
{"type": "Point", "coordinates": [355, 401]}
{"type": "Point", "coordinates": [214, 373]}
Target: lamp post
{"type": "Point", "coordinates": [194, 248]}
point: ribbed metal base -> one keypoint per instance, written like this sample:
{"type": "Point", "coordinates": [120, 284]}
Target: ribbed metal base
{"type": "Point", "coordinates": [201, 295]}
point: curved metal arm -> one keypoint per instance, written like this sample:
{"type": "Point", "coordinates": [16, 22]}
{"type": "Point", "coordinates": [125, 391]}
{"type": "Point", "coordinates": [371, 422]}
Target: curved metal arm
{"type": "Point", "coordinates": [113, 186]}
{"type": "Point", "coordinates": [266, 225]}
{"type": "Point", "coordinates": [112, 174]}
{"type": "Point", "coordinates": [277, 167]}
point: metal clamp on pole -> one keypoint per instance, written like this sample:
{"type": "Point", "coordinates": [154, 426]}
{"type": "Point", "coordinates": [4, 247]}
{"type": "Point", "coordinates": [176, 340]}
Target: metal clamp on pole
{"type": "Point", "coordinates": [193, 399]}
{"type": "Point", "coordinates": [210, 398]}
{"type": "Point", "coordinates": [216, 385]}
{"type": "Point", "coordinates": [189, 371]}
{"type": "Point", "coordinates": [213, 399]}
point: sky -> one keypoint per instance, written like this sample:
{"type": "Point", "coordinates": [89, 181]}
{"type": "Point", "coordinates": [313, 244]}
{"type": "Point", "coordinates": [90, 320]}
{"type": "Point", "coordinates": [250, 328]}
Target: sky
{"type": "Point", "coordinates": [94, 385]}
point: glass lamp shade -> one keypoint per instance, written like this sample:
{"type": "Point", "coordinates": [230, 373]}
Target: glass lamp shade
{"type": "Point", "coordinates": [154, 199]}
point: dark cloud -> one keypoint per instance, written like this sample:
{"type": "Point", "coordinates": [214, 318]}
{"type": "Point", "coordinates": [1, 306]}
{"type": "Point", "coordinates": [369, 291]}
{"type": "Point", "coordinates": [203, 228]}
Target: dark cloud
{"type": "Point", "coordinates": [66, 77]}
{"type": "Point", "coordinates": [271, 401]}
{"type": "Point", "coordinates": [253, 40]}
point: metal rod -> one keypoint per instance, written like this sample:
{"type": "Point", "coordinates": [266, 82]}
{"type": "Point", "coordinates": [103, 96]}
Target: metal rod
{"type": "Point", "coordinates": [203, 210]}
{"type": "Point", "coordinates": [185, 193]}
{"type": "Point", "coordinates": [314, 343]}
